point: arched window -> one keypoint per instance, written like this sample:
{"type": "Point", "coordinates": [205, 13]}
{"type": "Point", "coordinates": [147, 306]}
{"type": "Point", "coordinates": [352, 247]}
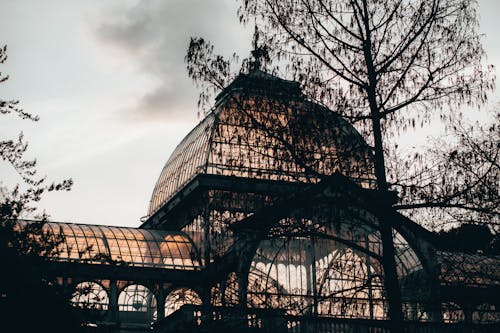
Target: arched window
{"type": "Point", "coordinates": [179, 297]}
{"type": "Point", "coordinates": [452, 313]}
{"type": "Point", "coordinates": [136, 298]}
{"type": "Point", "coordinates": [90, 295]}
{"type": "Point", "coordinates": [348, 287]}
{"type": "Point", "coordinates": [486, 313]}
{"type": "Point", "coordinates": [320, 275]}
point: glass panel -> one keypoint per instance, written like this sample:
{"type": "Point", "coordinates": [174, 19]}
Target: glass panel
{"type": "Point", "coordinates": [136, 247]}
{"type": "Point", "coordinates": [307, 274]}
{"type": "Point", "coordinates": [136, 298]}
{"type": "Point", "coordinates": [187, 159]}
{"type": "Point", "coordinates": [90, 295]}
{"type": "Point", "coordinates": [178, 298]}
{"type": "Point", "coordinates": [235, 140]}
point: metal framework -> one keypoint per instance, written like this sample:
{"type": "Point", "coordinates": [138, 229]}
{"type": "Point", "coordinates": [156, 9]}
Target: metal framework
{"type": "Point", "coordinates": [136, 298]}
{"type": "Point", "coordinates": [273, 208]}
{"type": "Point", "coordinates": [98, 244]}
{"type": "Point", "coordinates": [90, 295]}
{"type": "Point", "coordinates": [252, 136]}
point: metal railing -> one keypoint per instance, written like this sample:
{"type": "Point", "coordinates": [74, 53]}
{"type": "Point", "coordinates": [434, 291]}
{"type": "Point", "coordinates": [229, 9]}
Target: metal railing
{"type": "Point", "coordinates": [216, 319]}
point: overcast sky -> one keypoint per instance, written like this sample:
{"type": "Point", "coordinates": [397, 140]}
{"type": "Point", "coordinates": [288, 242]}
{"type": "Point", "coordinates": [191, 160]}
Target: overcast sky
{"type": "Point", "coordinates": [108, 80]}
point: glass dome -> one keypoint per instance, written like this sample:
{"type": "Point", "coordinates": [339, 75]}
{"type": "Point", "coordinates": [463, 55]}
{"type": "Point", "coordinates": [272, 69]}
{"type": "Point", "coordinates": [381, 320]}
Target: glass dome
{"type": "Point", "coordinates": [262, 127]}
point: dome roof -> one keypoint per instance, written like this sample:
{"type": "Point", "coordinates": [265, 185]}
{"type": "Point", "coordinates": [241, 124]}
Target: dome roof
{"type": "Point", "coordinates": [262, 127]}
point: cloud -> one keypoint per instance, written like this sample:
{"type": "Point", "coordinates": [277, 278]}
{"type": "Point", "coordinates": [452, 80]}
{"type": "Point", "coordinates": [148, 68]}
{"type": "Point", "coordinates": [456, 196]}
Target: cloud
{"type": "Point", "coordinates": [156, 34]}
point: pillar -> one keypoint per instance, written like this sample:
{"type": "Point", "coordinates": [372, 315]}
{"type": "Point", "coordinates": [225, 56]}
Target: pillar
{"type": "Point", "coordinates": [113, 310]}
{"type": "Point", "coordinates": [160, 304]}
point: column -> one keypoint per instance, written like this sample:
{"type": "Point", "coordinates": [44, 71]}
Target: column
{"type": "Point", "coordinates": [113, 310]}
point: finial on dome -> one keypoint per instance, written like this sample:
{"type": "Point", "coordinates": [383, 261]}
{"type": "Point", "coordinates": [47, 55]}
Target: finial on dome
{"type": "Point", "coordinates": [260, 53]}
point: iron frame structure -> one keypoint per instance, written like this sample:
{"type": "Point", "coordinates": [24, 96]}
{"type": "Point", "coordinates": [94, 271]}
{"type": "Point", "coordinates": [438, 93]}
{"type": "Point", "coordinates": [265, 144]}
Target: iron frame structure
{"type": "Point", "coordinates": [273, 213]}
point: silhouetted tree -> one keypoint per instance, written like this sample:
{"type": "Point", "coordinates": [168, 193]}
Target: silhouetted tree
{"type": "Point", "coordinates": [371, 61]}
{"type": "Point", "coordinates": [454, 181]}
{"type": "Point", "coordinates": [30, 300]}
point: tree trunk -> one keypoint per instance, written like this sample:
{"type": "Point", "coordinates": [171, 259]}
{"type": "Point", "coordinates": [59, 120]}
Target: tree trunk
{"type": "Point", "coordinates": [391, 282]}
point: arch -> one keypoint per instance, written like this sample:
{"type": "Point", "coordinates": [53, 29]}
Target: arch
{"type": "Point", "coordinates": [179, 297]}
{"type": "Point", "coordinates": [90, 295]}
{"type": "Point", "coordinates": [318, 273]}
{"type": "Point", "coordinates": [136, 298]}
{"type": "Point", "coordinates": [348, 286]}
{"type": "Point", "coordinates": [485, 313]}
{"type": "Point", "coordinates": [452, 313]}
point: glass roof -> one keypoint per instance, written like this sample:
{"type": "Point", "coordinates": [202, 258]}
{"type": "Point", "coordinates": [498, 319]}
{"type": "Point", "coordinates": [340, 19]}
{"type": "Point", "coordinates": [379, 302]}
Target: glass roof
{"type": "Point", "coordinates": [98, 244]}
{"type": "Point", "coordinates": [187, 160]}
{"type": "Point", "coordinates": [259, 137]}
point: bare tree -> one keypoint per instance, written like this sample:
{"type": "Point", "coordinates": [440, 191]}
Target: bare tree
{"type": "Point", "coordinates": [372, 61]}
{"type": "Point", "coordinates": [12, 152]}
{"type": "Point", "coordinates": [24, 286]}
{"type": "Point", "coordinates": [455, 180]}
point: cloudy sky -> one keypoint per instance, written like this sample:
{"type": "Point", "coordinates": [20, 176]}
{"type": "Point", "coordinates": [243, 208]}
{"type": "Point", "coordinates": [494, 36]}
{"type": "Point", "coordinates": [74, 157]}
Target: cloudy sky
{"type": "Point", "coordinates": [108, 80]}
